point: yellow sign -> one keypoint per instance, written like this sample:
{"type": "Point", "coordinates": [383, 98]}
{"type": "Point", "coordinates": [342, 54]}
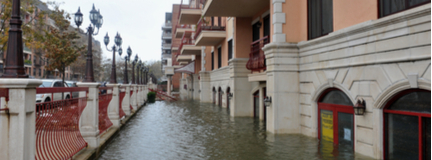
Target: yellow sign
{"type": "Point", "coordinates": [327, 126]}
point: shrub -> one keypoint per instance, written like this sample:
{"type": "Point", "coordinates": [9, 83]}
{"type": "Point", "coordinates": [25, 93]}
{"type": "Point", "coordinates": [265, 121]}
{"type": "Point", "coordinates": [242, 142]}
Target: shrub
{"type": "Point", "coordinates": [151, 97]}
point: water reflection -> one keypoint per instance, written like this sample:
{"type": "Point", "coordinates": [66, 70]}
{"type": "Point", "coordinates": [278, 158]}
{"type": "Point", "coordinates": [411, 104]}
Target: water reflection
{"type": "Point", "coordinates": [193, 130]}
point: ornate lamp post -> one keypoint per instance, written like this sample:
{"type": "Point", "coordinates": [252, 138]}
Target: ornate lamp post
{"type": "Point", "coordinates": [142, 74]}
{"type": "Point", "coordinates": [116, 47]}
{"type": "Point", "coordinates": [133, 68]}
{"type": "Point", "coordinates": [127, 58]}
{"type": "Point", "coordinates": [138, 72]}
{"type": "Point", "coordinates": [145, 75]}
{"type": "Point", "coordinates": [14, 59]}
{"type": "Point", "coordinates": [97, 20]}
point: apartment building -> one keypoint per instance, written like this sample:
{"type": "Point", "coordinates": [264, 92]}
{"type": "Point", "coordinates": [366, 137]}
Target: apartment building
{"type": "Point", "coordinates": [166, 40]}
{"type": "Point", "coordinates": [315, 61]}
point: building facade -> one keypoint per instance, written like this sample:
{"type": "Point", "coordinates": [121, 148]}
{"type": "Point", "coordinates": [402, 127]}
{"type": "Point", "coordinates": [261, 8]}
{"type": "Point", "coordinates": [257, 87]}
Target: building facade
{"type": "Point", "coordinates": [315, 60]}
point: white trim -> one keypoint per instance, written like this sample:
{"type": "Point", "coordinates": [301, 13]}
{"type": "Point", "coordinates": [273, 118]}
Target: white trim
{"type": "Point", "coordinates": [265, 13]}
{"type": "Point", "coordinates": [255, 20]}
{"type": "Point", "coordinates": [230, 38]}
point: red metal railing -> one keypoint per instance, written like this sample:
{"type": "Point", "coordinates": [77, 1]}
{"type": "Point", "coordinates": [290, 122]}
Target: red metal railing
{"type": "Point", "coordinates": [256, 60]}
{"type": "Point", "coordinates": [185, 41]}
{"type": "Point", "coordinates": [104, 100]}
{"type": "Point", "coordinates": [122, 95]}
{"type": "Point", "coordinates": [131, 91]}
{"type": "Point", "coordinates": [161, 93]}
{"type": "Point", "coordinates": [57, 125]}
{"type": "Point", "coordinates": [187, 26]}
{"type": "Point", "coordinates": [203, 25]}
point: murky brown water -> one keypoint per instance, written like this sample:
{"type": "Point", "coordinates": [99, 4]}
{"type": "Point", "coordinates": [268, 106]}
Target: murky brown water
{"type": "Point", "coordinates": [193, 130]}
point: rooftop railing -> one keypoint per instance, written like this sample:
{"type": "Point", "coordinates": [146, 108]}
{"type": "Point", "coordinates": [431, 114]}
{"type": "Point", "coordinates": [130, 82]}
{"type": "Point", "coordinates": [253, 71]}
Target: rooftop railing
{"type": "Point", "coordinates": [256, 60]}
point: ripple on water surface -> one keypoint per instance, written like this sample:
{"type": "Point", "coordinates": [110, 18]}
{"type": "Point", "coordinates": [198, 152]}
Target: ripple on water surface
{"type": "Point", "coordinates": [193, 130]}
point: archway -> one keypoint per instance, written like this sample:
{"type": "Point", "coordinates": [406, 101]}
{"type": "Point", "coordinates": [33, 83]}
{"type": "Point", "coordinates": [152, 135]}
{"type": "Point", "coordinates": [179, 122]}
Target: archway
{"type": "Point", "coordinates": [220, 97]}
{"type": "Point", "coordinates": [336, 118]}
{"type": "Point", "coordinates": [407, 125]}
{"type": "Point", "coordinates": [214, 95]}
{"type": "Point", "coordinates": [227, 97]}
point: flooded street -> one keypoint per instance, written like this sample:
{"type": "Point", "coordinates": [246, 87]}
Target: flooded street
{"type": "Point", "coordinates": [194, 130]}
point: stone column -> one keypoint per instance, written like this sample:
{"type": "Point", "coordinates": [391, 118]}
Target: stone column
{"type": "Point", "coordinates": [113, 107]}
{"type": "Point", "coordinates": [183, 91]}
{"type": "Point", "coordinates": [145, 93]}
{"type": "Point", "coordinates": [17, 130]}
{"type": "Point", "coordinates": [283, 116]}
{"type": "Point", "coordinates": [196, 86]}
{"type": "Point", "coordinates": [169, 85]}
{"type": "Point", "coordinates": [89, 120]}
{"type": "Point", "coordinates": [134, 97]}
{"type": "Point", "coordinates": [205, 87]}
{"type": "Point", "coordinates": [241, 88]}
{"type": "Point", "coordinates": [126, 100]}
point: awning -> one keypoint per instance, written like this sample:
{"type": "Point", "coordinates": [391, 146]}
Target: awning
{"type": "Point", "coordinates": [189, 68]}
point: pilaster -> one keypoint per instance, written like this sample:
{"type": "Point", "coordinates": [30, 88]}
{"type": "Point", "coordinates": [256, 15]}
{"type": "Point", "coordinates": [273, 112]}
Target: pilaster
{"type": "Point", "coordinates": [113, 107]}
{"type": "Point", "coordinates": [241, 88]}
{"type": "Point", "coordinates": [89, 120]}
{"type": "Point", "coordinates": [18, 140]}
{"type": "Point", "coordinates": [283, 114]}
{"type": "Point", "coordinates": [205, 87]}
{"type": "Point", "coordinates": [126, 100]}
{"type": "Point", "coordinates": [134, 96]}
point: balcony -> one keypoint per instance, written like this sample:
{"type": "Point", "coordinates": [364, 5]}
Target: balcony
{"type": "Point", "coordinates": [209, 34]}
{"type": "Point", "coordinates": [27, 63]}
{"type": "Point", "coordinates": [26, 50]}
{"type": "Point", "coordinates": [190, 14]}
{"type": "Point", "coordinates": [182, 30]}
{"type": "Point", "coordinates": [184, 58]}
{"type": "Point", "coordinates": [256, 60]}
{"type": "Point", "coordinates": [167, 26]}
{"type": "Point", "coordinates": [166, 36]}
{"type": "Point", "coordinates": [230, 8]}
{"type": "Point", "coordinates": [187, 47]}
{"type": "Point", "coordinates": [166, 46]}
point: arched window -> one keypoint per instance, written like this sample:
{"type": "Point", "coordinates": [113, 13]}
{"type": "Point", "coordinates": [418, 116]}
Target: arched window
{"type": "Point", "coordinates": [336, 118]}
{"type": "Point", "coordinates": [407, 125]}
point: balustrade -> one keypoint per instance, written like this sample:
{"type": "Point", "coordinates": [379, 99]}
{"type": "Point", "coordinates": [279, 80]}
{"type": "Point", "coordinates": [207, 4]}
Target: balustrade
{"type": "Point", "coordinates": [256, 60]}
{"type": "Point", "coordinates": [122, 95]}
{"type": "Point", "coordinates": [206, 26]}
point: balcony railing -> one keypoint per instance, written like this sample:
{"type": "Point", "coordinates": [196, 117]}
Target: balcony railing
{"type": "Point", "coordinates": [104, 100]}
{"type": "Point", "coordinates": [26, 49]}
{"type": "Point", "coordinates": [166, 35]}
{"type": "Point", "coordinates": [185, 26]}
{"type": "Point", "coordinates": [186, 41]}
{"type": "Point", "coordinates": [256, 60]}
{"type": "Point", "coordinates": [202, 25]}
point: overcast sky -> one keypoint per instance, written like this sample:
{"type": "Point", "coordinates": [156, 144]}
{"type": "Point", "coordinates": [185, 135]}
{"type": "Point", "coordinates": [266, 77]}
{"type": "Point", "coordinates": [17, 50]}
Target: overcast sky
{"type": "Point", "coordinates": [139, 23]}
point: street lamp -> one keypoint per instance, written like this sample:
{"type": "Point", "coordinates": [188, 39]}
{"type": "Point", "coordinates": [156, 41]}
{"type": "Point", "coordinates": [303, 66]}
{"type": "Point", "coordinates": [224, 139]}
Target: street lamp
{"type": "Point", "coordinates": [127, 58]}
{"type": "Point", "coordinates": [14, 59]}
{"type": "Point", "coordinates": [267, 101]}
{"type": "Point", "coordinates": [138, 72]}
{"type": "Point", "coordinates": [116, 47]}
{"type": "Point", "coordinates": [145, 76]}
{"type": "Point", "coordinates": [133, 68]}
{"type": "Point", "coordinates": [97, 20]}
{"type": "Point", "coordinates": [360, 107]}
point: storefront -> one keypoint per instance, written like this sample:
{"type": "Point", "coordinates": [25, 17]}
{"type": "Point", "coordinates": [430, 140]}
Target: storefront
{"type": "Point", "coordinates": [336, 118]}
{"type": "Point", "coordinates": [407, 125]}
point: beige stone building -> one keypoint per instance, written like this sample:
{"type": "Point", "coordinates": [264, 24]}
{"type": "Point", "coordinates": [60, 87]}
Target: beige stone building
{"type": "Point", "coordinates": [315, 59]}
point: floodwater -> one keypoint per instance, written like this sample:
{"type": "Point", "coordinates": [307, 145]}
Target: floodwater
{"type": "Point", "coordinates": [194, 130]}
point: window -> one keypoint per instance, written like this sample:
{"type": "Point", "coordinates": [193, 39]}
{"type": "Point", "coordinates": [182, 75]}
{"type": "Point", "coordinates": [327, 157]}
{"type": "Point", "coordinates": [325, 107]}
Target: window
{"type": "Point", "coordinates": [219, 57]}
{"type": "Point", "coordinates": [40, 72]}
{"type": "Point", "coordinates": [407, 126]}
{"type": "Point", "coordinates": [34, 71]}
{"type": "Point", "coordinates": [387, 7]}
{"type": "Point", "coordinates": [255, 31]}
{"type": "Point", "coordinates": [212, 61]}
{"type": "Point", "coordinates": [1, 68]}
{"type": "Point", "coordinates": [230, 49]}
{"type": "Point", "coordinates": [266, 25]}
{"type": "Point", "coordinates": [320, 18]}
